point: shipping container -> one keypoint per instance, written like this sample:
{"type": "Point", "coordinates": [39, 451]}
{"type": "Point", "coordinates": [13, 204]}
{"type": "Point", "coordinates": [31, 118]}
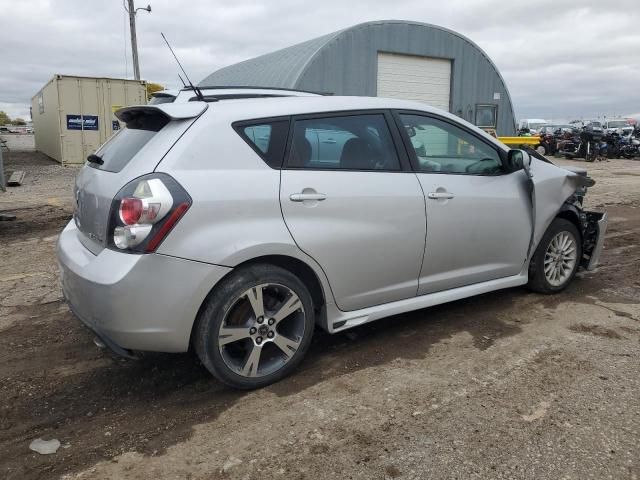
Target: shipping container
{"type": "Point", "coordinates": [73, 116]}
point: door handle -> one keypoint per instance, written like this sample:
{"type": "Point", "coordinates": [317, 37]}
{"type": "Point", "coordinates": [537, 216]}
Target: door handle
{"type": "Point", "coordinates": [440, 195]}
{"type": "Point", "coordinates": [330, 141]}
{"type": "Point", "coordinates": [301, 197]}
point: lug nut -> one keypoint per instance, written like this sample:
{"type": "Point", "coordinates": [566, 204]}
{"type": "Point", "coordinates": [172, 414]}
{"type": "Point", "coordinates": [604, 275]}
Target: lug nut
{"type": "Point", "coordinates": [259, 340]}
{"type": "Point", "coordinates": [271, 321]}
{"type": "Point", "coordinates": [270, 334]}
{"type": "Point", "coordinates": [260, 319]}
{"type": "Point", "coordinates": [252, 330]}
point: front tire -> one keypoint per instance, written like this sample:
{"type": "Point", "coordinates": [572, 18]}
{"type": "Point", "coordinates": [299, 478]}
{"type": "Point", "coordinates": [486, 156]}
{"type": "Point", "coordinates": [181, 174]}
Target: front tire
{"type": "Point", "coordinates": [556, 260]}
{"type": "Point", "coordinates": [255, 327]}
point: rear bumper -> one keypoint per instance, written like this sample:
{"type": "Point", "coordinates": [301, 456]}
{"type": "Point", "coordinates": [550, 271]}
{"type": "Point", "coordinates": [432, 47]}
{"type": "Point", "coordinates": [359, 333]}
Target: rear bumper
{"type": "Point", "coordinates": [134, 302]}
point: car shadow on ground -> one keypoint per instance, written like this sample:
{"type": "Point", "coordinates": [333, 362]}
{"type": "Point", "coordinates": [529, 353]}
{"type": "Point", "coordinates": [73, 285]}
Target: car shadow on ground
{"type": "Point", "coordinates": [70, 390]}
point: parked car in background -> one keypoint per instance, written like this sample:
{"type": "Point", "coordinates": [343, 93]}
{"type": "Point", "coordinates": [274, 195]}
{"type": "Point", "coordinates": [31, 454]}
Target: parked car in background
{"type": "Point", "coordinates": [620, 126]}
{"type": "Point", "coordinates": [556, 130]}
{"type": "Point", "coordinates": [238, 227]}
{"type": "Point", "coordinates": [531, 125]}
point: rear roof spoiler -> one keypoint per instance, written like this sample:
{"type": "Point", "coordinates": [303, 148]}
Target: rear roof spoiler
{"type": "Point", "coordinates": [173, 111]}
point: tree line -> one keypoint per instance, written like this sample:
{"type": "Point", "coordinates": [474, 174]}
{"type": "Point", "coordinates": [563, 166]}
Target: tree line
{"type": "Point", "coordinates": [6, 119]}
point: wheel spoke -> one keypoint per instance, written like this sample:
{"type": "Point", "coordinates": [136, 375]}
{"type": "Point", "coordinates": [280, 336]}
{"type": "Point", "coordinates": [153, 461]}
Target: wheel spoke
{"type": "Point", "coordinates": [250, 368]}
{"type": "Point", "coordinates": [254, 296]}
{"type": "Point", "coordinates": [287, 345]}
{"type": "Point", "coordinates": [292, 304]}
{"type": "Point", "coordinates": [229, 335]}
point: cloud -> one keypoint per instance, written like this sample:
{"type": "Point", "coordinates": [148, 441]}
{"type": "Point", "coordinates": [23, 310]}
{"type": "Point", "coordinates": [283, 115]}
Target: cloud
{"type": "Point", "coordinates": [559, 58]}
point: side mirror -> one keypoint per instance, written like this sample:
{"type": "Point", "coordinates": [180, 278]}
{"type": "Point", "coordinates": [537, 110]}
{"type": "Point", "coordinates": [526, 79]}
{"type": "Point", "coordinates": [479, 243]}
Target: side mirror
{"type": "Point", "coordinates": [520, 160]}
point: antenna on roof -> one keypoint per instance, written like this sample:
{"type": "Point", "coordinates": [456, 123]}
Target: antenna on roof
{"type": "Point", "coordinates": [191, 85]}
{"type": "Point", "coordinates": [183, 84]}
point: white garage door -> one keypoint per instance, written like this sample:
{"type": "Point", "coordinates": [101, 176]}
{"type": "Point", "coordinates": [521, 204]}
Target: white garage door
{"type": "Point", "coordinates": [423, 79]}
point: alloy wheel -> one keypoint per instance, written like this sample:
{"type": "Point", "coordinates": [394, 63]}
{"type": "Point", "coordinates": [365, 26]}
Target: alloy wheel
{"type": "Point", "coordinates": [560, 258]}
{"type": "Point", "coordinates": [262, 330]}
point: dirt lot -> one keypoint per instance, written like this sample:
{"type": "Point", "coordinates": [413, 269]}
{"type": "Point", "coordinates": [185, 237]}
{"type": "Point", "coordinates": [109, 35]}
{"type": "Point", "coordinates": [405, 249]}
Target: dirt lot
{"type": "Point", "coordinates": [506, 385]}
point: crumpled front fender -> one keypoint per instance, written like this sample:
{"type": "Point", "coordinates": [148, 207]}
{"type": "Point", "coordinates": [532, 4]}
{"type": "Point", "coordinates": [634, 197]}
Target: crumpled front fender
{"type": "Point", "coordinates": [552, 186]}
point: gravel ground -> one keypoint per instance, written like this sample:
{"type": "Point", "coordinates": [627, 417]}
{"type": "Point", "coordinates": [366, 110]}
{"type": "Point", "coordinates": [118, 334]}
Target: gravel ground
{"type": "Point", "coordinates": [506, 385]}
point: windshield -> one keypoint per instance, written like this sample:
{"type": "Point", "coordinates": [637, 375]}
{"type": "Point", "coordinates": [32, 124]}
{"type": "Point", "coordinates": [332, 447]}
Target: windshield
{"type": "Point", "coordinates": [617, 123]}
{"type": "Point", "coordinates": [536, 125]}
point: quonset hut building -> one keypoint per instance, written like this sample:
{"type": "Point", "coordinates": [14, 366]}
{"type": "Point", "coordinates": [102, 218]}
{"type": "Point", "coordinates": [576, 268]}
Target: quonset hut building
{"type": "Point", "coordinates": [392, 58]}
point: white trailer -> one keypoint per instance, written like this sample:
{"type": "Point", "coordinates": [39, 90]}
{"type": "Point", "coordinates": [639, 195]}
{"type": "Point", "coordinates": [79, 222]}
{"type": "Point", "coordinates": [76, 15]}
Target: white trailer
{"type": "Point", "coordinates": [73, 116]}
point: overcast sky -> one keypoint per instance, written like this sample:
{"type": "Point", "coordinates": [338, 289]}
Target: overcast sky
{"type": "Point", "coordinates": [560, 58]}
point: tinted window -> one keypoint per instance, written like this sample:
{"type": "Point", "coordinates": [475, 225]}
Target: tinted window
{"type": "Point", "coordinates": [121, 148]}
{"type": "Point", "coordinates": [158, 99]}
{"type": "Point", "coordinates": [443, 147]}
{"type": "Point", "coordinates": [268, 139]}
{"type": "Point", "coordinates": [355, 142]}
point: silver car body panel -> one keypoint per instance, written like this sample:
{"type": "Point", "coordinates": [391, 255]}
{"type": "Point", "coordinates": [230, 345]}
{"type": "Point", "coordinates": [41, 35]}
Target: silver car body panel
{"type": "Point", "coordinates": [552, 187]}
{"type": "Point", "coordinates": [339, 320]}
{"type": "Point", "coordinates": [94, 188]}
{"type": "Point", "coordinates": [365, 242]}
{"type": "Point", "coordinates": [180, 111]}
{"type": "Point", "coordinates": [368, 233]}
{"type": "Point", "coordinates": [466, 237]}
{"type": "Point", "coordinates": [141, 302]}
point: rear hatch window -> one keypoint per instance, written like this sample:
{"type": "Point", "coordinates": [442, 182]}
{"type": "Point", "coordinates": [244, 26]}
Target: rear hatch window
{"type": "Point", "coordinates": [123, 146]}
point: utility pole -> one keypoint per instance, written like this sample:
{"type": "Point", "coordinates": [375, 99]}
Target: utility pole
{"type": "Point", "coordinates": [132, 10]}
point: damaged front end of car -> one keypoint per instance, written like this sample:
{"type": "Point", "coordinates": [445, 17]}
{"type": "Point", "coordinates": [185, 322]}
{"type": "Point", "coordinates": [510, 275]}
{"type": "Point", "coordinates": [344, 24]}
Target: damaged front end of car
{"type": "Point", "coordinates": [566, 187]}
{"type": "Point", "coordinates": [592, 225]}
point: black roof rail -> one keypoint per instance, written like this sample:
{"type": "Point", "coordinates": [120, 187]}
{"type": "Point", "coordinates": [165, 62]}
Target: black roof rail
{"type": "Point", "coordinates": [247, 87]}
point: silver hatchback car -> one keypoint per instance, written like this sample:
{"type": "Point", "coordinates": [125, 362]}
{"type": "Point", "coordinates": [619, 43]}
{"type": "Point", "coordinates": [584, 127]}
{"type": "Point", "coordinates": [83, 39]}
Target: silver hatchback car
{"type": "Point", "coordinates": [238, 226]}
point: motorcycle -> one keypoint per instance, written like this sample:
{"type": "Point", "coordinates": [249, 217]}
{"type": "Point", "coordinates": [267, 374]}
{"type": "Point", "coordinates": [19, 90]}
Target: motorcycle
{"type": "Point", "coordinates": [630, 145]}
{"type": "Point", "coordinates": [548, 144]}
{"type": "Point", "coordinates": [610, 146]}
{"type": "Point", "coordinates": [583, 144]}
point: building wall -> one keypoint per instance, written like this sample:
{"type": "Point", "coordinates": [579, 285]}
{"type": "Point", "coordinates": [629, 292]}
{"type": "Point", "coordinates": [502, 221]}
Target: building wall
{"type": "Point", "coordinates": [348, 66]}
{"type": "Point", "coordinates": [345, 63]}
{"type": "Point", "coordinates": [46, 120]}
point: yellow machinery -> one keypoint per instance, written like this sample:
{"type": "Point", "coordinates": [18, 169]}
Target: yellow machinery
{"type": "Point", "coordinates": [530, 142]}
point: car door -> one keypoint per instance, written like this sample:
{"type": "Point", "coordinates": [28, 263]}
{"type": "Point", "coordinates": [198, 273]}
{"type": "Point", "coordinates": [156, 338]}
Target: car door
{"type": "Point", "coordinates": [478, 213]}
{"type": "Point", "coordinates": [354, 206]}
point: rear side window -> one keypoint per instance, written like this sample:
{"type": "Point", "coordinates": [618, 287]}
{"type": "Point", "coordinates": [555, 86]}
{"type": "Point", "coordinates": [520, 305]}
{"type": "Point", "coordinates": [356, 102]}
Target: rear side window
{"type": "Point", "coordinates": [141, 127]}
{"type": "Point", "coordinates": [354, 142]}
{"type": "Point", "coordinates": [267, 138]}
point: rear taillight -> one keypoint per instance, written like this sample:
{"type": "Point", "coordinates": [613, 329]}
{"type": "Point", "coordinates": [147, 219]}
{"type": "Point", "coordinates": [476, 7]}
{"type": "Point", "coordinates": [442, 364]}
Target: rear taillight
{"type": "Point", "coordinates": [144, 212]}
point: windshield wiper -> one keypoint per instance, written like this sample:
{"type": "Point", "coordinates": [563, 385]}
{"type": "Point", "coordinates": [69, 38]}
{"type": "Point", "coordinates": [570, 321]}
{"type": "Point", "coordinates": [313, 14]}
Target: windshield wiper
{"type": "Point", "coordinates": [93, 158]}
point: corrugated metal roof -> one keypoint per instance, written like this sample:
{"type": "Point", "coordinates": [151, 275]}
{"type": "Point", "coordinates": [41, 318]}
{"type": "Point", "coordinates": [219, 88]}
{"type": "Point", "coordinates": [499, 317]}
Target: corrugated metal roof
{"type": "Point", "coordinates": [346, 63]}
{"type": "Point", "coordinates": [281, 68]}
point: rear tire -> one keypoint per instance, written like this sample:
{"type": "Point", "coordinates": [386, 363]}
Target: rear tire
{"type": "Point", "coordinates": [556, 259]}
{"type": "Point", "coordinates": [255, 327]}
